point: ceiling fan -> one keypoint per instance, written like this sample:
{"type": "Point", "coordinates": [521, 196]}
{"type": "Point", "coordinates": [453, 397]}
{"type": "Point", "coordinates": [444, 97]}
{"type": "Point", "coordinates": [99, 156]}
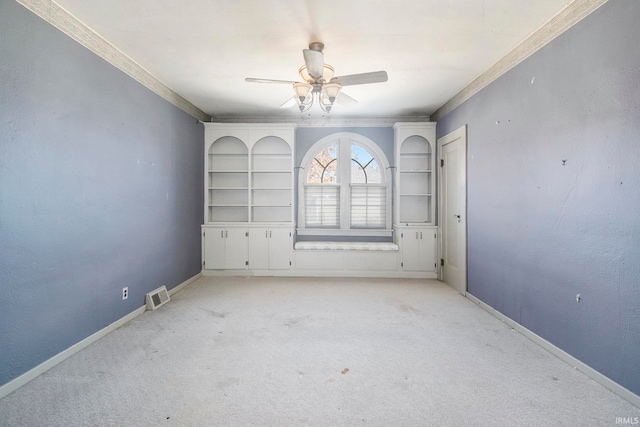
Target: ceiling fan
{"type": "Point", "coordinates": [319, 85]}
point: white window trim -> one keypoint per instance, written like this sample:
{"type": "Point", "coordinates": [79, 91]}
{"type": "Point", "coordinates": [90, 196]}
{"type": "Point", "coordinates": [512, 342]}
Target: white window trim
{"type": "Point", "coordinates": [345, 139]}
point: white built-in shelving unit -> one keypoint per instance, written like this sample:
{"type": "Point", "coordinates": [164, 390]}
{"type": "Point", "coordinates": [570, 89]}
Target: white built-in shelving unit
{"type": "Point", "coordinates": [249, 173]}
{"type": "Point", "coordinates": [227, 181]}
{"type": "Point", "coordinates": [248, 196]}
{"type": "Point", "coordinates": [414, 151]}
{"type": "Point", "coordinates": [249, 222]}
{"type": "Point", "coordinates": [271, 181]}
{"type": "Point", "coordinates": [414, 202]}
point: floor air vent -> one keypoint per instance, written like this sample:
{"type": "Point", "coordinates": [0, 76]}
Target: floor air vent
{"type": "Point", "coordinates": [157, 298]}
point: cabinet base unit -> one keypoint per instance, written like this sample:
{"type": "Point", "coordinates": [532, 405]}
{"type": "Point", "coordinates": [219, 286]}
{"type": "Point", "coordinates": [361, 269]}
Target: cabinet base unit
{"type": "Point", "coordinates": [246, 249]}
{"type": "Point", "coordinates": [271, 252]}
{"type": "Point", "coordinates": [270, 248]}
{"type": "Point", "coordinates": [418, 246]}
{"type": "Point", "coordinates": [225, 248]}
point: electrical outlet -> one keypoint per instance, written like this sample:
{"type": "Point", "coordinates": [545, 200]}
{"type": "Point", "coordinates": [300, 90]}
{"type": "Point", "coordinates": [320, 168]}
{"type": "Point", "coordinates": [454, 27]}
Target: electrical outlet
{"type": "Point", "coordinates": [125, 293]}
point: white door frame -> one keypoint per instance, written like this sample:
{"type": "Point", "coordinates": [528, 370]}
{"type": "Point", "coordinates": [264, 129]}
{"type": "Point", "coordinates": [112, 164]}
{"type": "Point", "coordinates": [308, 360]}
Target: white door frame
{"type": "Point", "coordinates": [458, 134]}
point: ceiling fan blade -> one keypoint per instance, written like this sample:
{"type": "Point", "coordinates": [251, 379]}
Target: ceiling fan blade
{"type": "Point", "coordinates": [361, 79]}
{"type": "Point", "coordinates": [289, 102]}
{"type": "Point", "coordinates": [314, 61]}
{"type": "Point", "coordinates": [344, 99]}
{"type": "Point", "coordinates": [252, 80]}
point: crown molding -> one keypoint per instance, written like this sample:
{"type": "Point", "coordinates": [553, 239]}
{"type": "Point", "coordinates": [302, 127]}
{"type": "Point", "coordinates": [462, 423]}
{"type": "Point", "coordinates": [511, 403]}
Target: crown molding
{"type": "Point", "coordinates": [331, 121]}
{"type": "Point", "coordinates": [565, 19]}
{"type": "Point", "coordinates": [55, 15]}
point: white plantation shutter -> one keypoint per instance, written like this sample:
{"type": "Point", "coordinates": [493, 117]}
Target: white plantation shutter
{"type": "Point", "coordinates": [368, 206]}
{"type": "Point", "coordinates": [322, 206]}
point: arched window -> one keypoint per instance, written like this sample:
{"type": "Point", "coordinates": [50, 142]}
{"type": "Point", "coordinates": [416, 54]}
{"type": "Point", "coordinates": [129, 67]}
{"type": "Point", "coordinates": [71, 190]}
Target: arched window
{"type": "Point", "coordinates": [344, 183]}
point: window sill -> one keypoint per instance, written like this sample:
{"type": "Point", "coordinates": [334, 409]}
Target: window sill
{"type": "Point", "coordinates": [338, 232]}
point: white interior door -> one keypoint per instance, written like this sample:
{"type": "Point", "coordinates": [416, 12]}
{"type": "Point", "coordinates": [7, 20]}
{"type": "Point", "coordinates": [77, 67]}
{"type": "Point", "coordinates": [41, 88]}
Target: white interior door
{"type": "Point", "coordinates": [452, 210]}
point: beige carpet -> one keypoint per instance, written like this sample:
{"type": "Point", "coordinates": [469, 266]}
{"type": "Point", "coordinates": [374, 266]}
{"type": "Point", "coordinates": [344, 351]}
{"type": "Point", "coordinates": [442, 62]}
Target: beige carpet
{"type": "Point", "coordinates": [299, 351]}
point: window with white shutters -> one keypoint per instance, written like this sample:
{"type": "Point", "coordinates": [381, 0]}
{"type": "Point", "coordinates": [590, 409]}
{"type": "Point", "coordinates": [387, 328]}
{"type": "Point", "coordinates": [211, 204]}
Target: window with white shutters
{"type": "Point", "coordinates": [345, 186]}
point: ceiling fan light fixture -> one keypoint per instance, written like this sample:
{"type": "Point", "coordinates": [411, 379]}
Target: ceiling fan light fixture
{"type": "Point", "coordinates": [319, 86]}
{"type": "Point", "coordinates": [302, 90]}
{"type": "Point", "coordinates": [331, 91]}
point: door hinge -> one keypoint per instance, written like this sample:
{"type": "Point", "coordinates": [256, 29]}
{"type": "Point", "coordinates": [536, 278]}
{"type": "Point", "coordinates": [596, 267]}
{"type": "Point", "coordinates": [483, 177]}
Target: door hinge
{"type": "Point", "coordinates": [246, 263]}
{"type": "Point", "coordinates": [441, 162]}
{"type": "Point", "coordinates": [204, 262]}
{"type": "Point", "coordinates": [441, 261]}
{"type": "Point", "coordinates": [402, 264]}
{"type": "Point", "coordinates": [246, 234]}
{"type": "Point", "coordinates": [289, 262]}
{"type": "Point", "coordinates": [203, 234]}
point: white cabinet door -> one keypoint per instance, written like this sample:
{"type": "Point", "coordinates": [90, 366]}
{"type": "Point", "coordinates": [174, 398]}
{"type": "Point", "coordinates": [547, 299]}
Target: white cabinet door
{"type": "Point", "coordinates": [411, 257]}
{"type": "Point", "coordinates": [269, 248]}
{"type": "Point", "coordinates": [259, 249]}
{"type": "Point", "coordinates": [214, 249]}
{"type": "Point", "coordinates": [279, 249]}
{"type": "Point", "coordinates": [225, 248]}
{"type": "Point", "coordinates": [418, 249]}
{"type": "Point", "coordinates": [237, 250]}
{"type": "Point", "coordinates": [428, 248]}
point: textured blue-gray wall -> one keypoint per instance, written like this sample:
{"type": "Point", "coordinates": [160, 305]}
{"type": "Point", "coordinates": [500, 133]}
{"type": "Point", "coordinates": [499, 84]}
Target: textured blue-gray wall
{"type": "Point", "coordinates": [100, 188]}
{"type": "Point", "coordinates": [554, 191]}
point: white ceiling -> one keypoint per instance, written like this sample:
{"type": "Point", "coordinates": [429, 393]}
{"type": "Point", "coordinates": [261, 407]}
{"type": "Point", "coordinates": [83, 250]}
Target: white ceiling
{"type": "Point", "coordinates": [203, 49]}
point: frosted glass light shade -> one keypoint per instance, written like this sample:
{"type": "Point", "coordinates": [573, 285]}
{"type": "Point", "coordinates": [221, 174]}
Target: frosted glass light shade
{"type": "Point", "coordinates": [302, 90]}
{"type": "Point", "coordinates": [327, 72]}
{"type": "Point", "coordinates": [331, 91]}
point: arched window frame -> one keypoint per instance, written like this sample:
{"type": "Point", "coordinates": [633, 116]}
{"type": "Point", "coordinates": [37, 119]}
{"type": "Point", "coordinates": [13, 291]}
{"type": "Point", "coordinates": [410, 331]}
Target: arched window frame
{"type": "Point", "coordinates": [344, 141]}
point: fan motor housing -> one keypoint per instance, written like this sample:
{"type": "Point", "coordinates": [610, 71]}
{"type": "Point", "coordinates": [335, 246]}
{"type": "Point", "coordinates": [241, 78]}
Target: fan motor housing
{"type": "Point", "coordinates": [317, 46]}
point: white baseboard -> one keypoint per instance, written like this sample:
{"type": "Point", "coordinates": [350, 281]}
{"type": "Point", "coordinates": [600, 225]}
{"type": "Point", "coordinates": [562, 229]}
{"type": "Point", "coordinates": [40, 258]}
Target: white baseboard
{"type": "Point", "coordinates": [15, 384]}
{"type": "Point", "coordinates": [18, 382]}
{"type": "Point", "coordinates": [607, 382]}
{"type": "Point", "coordinates": [184, 284]}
